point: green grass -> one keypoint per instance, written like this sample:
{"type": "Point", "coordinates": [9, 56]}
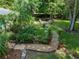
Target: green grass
{"type": "Point", "coordinates": [51, 55]}
{"type": "Point", "coordinates": [42, 56]}
{"type": "Point", "coordinates": [71, 40]}
{"type": "Point", "coordinates": [64, 24]}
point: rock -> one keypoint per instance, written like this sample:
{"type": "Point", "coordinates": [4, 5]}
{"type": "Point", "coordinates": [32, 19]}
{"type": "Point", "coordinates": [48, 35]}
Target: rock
{"type": "Point", "coordinates": [19, 46]}
{"type": "Point", "coordinates": [24, 54]}
{"type": "Point", "coordinates": [54, 41]}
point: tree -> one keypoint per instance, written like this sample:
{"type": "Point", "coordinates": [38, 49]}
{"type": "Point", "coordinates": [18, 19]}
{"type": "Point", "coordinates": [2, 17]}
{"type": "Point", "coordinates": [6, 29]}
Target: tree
{"type": "Point", "coordinates": [73, 11]}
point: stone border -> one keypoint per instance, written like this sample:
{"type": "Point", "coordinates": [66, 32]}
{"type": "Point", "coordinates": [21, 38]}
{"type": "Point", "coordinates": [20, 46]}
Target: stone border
{"type": "Point", "coordinates": [45, 48]}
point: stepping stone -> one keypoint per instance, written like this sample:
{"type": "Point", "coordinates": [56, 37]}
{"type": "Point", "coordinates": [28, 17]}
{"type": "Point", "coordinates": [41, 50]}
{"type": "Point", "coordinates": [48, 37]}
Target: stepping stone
{"type": "Point", "coordinates": [24, 54]}
{"type": "Point", "coordinates": [39, 47]}
{"type": "Point", "coordinates": [20, 46]}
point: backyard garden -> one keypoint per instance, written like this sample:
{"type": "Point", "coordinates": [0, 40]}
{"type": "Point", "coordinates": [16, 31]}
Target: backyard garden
{"type": "Point", "coordinates": [39, 29]}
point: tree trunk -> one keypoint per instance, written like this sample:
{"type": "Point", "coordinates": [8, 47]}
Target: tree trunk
{"type": "Point", "coordinates": [73, 17]}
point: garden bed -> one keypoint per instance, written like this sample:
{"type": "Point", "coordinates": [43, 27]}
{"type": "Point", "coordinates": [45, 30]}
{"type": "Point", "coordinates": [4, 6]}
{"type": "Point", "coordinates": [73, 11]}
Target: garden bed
{"type": "Point", "coordinates": [13, 54]}
{"type": "Point", "coordinates": [53, 45]}
{"type": "Point", "coordinates": [16, 54]}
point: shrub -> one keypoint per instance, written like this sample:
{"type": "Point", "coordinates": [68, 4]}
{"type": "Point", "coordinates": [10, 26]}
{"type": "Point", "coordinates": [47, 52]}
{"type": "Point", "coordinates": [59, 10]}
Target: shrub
{"type": "Point", "coordinates": [3, 43]}
{"type": "Point", "coordinates": [30, 33]}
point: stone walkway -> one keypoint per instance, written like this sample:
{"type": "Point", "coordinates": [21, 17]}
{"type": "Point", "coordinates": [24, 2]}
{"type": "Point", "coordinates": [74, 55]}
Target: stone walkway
{"type": "Point", "coordinates": [37, 47]}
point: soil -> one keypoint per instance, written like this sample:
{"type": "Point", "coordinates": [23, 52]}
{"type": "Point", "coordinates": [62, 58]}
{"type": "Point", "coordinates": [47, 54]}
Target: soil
{"type": "Point", "coordinates": [16, 54]}
{"type": "Point", "coordinates": [13, 54]}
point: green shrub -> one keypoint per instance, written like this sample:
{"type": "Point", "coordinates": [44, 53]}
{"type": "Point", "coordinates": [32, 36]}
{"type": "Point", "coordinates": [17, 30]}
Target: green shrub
{"type": "Point", "coordinates": [29, 33]}
{"type": "Point", "coordinates": [3, 43]}
{"type": "Point", "coordinates": [42, 34]}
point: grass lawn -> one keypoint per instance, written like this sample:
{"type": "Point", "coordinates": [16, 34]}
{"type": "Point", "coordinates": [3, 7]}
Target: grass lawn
{"type": "Point", "coordinates": [71, 40]}
{"type": "Point", "coordinates": [50, 56]}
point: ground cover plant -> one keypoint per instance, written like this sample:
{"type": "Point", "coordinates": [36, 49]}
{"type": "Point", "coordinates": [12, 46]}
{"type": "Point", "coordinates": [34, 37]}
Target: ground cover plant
{"type": "Point", "coordinates": [33, 32]}
{"type": "Point", "coordinates": [4, 38]}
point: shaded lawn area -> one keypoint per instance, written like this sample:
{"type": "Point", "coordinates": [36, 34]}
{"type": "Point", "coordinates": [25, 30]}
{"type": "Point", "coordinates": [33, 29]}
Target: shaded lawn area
{"type": "Point", "coordinates": [64, 24]}
{"type": "Point", "coordinates": [71, 40]}
{"type": "Point", "coordinates": [49, 56]}
{"type": "Point", "coordinates": [40, 55]}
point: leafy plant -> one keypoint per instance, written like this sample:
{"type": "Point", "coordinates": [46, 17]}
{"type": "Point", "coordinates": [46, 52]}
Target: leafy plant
{"type": "Point", "coordinates": [4, 37]}
{"type": "Point", "coordinates": [30, 33]}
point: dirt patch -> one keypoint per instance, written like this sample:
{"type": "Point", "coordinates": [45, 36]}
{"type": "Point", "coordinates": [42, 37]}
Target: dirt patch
{"type": "Point", "coordinates": [13, 54]}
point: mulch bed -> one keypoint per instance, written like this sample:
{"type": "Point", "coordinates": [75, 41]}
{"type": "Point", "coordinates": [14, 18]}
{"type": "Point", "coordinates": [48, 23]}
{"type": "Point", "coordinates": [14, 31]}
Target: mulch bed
{"type": "Point", "coordinates": [13, 54]}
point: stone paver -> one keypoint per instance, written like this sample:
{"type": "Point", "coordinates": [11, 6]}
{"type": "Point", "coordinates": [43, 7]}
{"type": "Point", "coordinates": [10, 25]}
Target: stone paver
{"type": "Point", "coordinates": [39, 47]}
{"type": "Point", "coordinates": [19, 46]}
